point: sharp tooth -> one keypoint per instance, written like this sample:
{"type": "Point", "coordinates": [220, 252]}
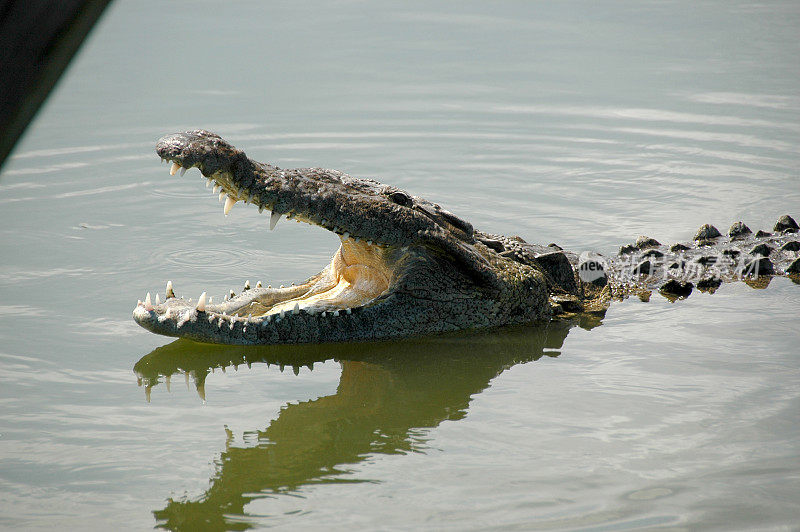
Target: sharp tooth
{"type": "Point", "coordinates": [324, 313]}
{"type": "Point", "coordinates": [216, 189]}
{"type": "Point", "coordinates": [345, 236]}
{"type": "Point", "coordinates": [260, 209]}
{"type": "Point", "coordinates": [273, 220]}
{"type": "Point", "coordinates": [247, 285]}
{"type": "Point", "coordinates": [369, 242]}
{"type": "Point", "coordinates": [138, 302]}
{"type": "Point", "coordinates": [296, 308]}
{"type": "Point", "coordinates": [324, 222]}
{"type": "Point", "coordinates": [229, 203]}
{"type": "Point", "coordinates": [183, 171]}
{"type": "Point", "coordinates": [174, 168]}
{"type": "Point", "coordinates": [201, 303]}
{"type": "Point", "coordinates": [169, 293]}
{"type": "Point", "coordinates": [209, 181]}
{"type": "Point", "coordinates": [258, 284]}
{"type": "Point", "coordinates": [283, 313]}
{"type": "Point", "coordinates": [349, 311]}
{"type": "Point", "coordinates": [210, 299]}
{"type": "Point", "coordinates": [356, 240]}
{"type": "Point", "coordinates": [158, 301]}
{"type": "Point", "coordinates": [335, 312]}
{"type": "Point", "coordinates": [232, 294]}
{"type": "Point", "coordinates": [148, 305]}
{"type": "Point", "coordinates": [221, 195]}
{"type": "Point", "coordinates": [163, 160]}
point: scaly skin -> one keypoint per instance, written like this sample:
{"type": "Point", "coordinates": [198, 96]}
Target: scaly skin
{"type": "Point", "coordinates": [406, 266]}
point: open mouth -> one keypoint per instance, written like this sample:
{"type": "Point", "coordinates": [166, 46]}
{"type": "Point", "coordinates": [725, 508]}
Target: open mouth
{"type": "Point", "coordinates": [360, 272]}
{"type": "Point", "coordinates": [405, 266]}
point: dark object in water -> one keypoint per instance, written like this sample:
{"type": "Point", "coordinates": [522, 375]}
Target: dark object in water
{"type": "Point", "coordinates": [37, 40]}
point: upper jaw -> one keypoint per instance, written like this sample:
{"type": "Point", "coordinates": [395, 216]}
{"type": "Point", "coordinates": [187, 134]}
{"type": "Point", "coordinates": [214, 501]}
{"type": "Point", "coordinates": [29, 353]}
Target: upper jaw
{"type": "Point", "coordinates": [361, 209]}
{"type": "Point", "coordinates": [351, 207]}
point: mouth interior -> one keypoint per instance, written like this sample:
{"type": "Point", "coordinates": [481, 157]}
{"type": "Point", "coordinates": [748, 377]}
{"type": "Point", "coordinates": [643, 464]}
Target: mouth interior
{"type": "Point", "coordinates": [359, 272]}
{"type": "Point", "coordinates": [356, 275]}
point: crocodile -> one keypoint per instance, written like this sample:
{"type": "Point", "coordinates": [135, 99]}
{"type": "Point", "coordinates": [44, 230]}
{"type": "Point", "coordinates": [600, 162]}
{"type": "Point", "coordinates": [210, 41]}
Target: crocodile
{"type": "Point", "coordinates": [407, 267]}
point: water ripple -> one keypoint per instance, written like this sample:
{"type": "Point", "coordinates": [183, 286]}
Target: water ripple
{"type": "Point", "coordinates": [208, 258]}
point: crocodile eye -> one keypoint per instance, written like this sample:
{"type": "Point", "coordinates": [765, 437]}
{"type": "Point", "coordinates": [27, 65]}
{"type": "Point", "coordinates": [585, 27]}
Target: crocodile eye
{"type": "Point", "coordinates": [401, 199]}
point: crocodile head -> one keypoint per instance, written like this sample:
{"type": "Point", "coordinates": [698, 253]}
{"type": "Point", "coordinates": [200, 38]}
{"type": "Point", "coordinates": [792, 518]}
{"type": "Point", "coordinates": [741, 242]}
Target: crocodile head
{"type": "Point", "coordinates": [405, 266]}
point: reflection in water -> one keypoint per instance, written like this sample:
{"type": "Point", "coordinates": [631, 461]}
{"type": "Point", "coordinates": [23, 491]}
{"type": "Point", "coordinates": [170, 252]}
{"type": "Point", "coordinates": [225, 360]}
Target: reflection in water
{"type": "Point", "coordinates": [386, 392]}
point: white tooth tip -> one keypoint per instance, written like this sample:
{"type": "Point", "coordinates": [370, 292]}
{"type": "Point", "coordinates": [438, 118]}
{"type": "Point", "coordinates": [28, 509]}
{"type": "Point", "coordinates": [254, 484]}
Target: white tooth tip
{"type": "Point", "coordinates": [222, 195]}
{"type": "Point", "coordinates": [216, 189]}
{"type": "Point", "coordinates": [201, 302]}
{"type": "Point", "coordinates": [158, 301]}
{"type": "Point", "coordinates": [148, 305]}
{"type": "Point", "coordinates": [183, 171]}
{"type": "Point", "coordinates": [258, 284]}
{"type": "Point", "coordinates": [273, 220]}
{"type": "Point", "coordinates": [174, 168]}
{"type": "Point", "coordinates": [296, 308]}
{"type": "Point", "coordinates": [229, 203]}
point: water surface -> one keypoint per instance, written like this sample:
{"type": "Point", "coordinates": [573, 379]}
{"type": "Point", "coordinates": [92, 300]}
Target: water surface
{"type": "Point", "coordinates": [581, 123]}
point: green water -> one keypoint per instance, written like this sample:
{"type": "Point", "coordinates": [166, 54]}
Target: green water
{"type": "Point", "coordinates": [581, 123]}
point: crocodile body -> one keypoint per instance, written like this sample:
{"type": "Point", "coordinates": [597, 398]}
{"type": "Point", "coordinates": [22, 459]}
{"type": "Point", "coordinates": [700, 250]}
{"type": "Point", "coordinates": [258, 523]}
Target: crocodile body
{"type": "Point", "coordinates": [407, 267]}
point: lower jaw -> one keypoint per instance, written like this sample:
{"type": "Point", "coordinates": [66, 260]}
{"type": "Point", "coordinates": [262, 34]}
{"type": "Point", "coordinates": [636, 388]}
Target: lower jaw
{"type": "Point", "coordinates": [296, 326]}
